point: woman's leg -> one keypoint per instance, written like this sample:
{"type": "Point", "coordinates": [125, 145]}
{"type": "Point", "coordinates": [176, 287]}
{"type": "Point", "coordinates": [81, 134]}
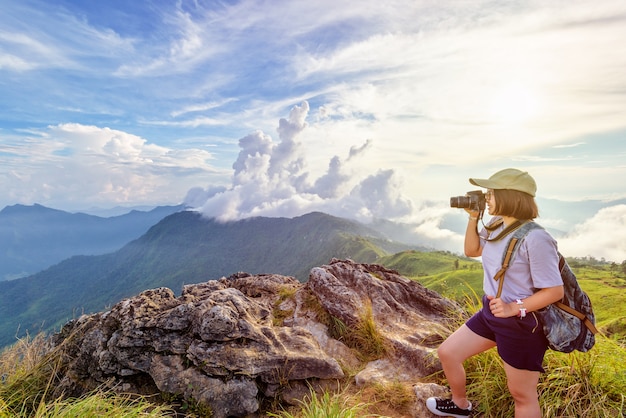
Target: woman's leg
{"type": "Point", "coordinates": [523, 387]}
{"type": "Point", "coordinates": [461, 345]}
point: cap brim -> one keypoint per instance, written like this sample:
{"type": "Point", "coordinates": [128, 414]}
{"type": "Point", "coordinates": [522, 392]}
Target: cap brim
{"type": "Point", "coordinates": [487, 184]}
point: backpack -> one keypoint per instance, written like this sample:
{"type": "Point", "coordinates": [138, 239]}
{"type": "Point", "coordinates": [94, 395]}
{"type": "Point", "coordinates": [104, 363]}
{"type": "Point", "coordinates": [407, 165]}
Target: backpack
{"type": "Point", "coordinates": [568, 324]}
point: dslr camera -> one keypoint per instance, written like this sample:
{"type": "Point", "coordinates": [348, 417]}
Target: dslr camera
{"type": "Point", "coordinates": [474, 201]}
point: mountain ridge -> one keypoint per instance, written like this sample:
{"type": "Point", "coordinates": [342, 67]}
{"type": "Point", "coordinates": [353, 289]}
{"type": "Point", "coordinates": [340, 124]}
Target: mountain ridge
{"type": "Point", "coordinates": [182, 248]}
{"type": "Point", "coordinates": [35, 237]}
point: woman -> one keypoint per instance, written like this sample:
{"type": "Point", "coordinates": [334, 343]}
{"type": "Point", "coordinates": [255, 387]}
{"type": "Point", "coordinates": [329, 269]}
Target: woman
{"type": "Point", "coordinates": [507, 322]}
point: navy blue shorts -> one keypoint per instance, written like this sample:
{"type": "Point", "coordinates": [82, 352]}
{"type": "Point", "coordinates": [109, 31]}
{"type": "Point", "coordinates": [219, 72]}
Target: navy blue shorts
{"type": "Point", "coordinates": [520, 342]}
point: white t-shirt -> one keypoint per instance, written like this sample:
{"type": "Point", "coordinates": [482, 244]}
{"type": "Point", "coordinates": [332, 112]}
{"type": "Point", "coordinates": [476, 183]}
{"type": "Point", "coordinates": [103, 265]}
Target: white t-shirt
{"type": "Point", "coordinates": [535, 264]}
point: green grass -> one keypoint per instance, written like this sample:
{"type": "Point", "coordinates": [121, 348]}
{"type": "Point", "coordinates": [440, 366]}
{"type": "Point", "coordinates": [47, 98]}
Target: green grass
{"type": "Point", "coordinates": [420, 264]}
{"type": "Point", "coordinates": [327, 405]}
{"type": "Point", "coordinates": [102, 405]}
{"type": "Point", "coordinates": [606, 291]}
{"type": "Point", "coordinates": [455, 284]}
{"type": "Point", "coordinates": [28, 371]}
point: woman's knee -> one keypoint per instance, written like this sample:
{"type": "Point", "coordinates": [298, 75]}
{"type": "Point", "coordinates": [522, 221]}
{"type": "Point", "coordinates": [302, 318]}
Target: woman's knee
{"type": "Point", "coordinates": [462, 344]}
{"type": "Point", "coordinates": [523, 394]}
{"type": "Point", "coordinates": [446, 352]}
{"type": "Point", "coordinates": [522, 384]}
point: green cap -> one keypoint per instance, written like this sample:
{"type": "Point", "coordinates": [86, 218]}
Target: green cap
{"type": "Point", "coordinates": [509, 178]}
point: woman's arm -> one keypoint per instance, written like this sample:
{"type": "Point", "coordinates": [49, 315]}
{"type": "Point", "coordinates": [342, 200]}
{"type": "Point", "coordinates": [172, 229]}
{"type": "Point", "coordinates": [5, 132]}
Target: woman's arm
{"type": "Point", "coordinates": [540, 299]}
{"type": "Point", "coordinates": [472, 246]}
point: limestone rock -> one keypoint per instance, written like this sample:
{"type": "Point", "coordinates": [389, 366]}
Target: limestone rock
{"type": "Point", "coordinates": [410, 317]}
{"type": "Point", "coordinates": [228, 343]}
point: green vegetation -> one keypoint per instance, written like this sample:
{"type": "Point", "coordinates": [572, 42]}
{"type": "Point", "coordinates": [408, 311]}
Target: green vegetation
{"type": "Point", "coordinates": [450, 275]}
{"type": "Point", "coordinates": [27, 374]}
{"type": "Point", "coordinates": [364, 338]}
{"type": "Point", "coordinates": [328, 405]}
{"type": "Point", "coordinates": [420, 264]}
{"type": "Point", "coordinates": [589, 384]}
{"type": "Point", "coordinates": [358, 248]}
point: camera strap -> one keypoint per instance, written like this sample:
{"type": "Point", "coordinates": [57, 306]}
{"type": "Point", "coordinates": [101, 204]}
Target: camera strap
{"type": "Point", "coordinates": [506, 231]}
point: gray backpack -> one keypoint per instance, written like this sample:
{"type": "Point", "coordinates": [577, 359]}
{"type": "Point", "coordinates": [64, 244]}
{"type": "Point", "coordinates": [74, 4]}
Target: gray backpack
{"type": "Point", "coordinates": [568, 324]}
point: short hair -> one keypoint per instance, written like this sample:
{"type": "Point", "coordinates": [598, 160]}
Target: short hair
{"type": "Point", "coordinates": [516, 204]}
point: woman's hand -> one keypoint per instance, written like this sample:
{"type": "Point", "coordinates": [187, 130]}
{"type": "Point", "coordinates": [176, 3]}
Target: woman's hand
{"type": "Point", "coordinates": [500, 309]}
{"type": "Point", "coordinates": [472, 213]}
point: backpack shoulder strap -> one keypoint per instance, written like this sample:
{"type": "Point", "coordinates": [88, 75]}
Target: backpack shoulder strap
{"type": "Point", "coordinates": [518, 235]}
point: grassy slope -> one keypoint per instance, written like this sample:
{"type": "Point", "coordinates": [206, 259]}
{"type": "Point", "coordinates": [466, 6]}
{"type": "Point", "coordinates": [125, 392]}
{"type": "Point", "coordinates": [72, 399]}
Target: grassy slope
{"type": "Point", "coordinates": [451, 275]}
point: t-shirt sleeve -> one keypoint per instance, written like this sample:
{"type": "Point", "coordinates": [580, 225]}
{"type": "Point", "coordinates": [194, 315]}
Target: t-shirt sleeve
{"type": "Point", "coordinates": [541, 252]}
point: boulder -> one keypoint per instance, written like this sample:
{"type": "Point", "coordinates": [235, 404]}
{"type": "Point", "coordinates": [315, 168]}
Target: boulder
{"type": "Point", "coordinates": [226, 344]}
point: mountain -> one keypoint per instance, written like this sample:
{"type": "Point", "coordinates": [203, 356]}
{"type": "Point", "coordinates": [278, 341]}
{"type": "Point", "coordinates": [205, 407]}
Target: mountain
{"type": "Point", "coordinates": [35, 237]}
{"type": "Point", "coordinates": [182, 248]}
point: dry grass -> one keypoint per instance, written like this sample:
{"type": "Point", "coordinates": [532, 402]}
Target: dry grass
{"type": "Point", "coordinates": [28, 369]}
{"type": "Point", "coordinates": [365, 338]}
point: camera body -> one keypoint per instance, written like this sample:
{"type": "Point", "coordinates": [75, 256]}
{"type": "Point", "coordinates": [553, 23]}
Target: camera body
{"type": "Point", "coordinates": [474, 201]}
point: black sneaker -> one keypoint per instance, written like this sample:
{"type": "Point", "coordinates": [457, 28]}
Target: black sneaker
{"type": "Point", "coordinates": [447, 408]}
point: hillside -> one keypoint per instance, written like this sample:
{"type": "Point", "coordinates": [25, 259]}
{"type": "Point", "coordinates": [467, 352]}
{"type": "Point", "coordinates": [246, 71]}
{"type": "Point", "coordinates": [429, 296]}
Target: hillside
{"type": "Point", "coordinates": [460, 278]}
{"type": "Point", "coordinates": [449, 274]}
{"type": "Point", "coordinates": [183, 248]}
{"type": "Point", "coordinates": [35, 237]}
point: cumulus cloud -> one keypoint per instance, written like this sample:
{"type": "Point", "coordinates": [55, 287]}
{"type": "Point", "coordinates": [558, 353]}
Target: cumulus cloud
{"type": "Point", "coordinates": [273, 179]}
{"type": "Point", "coordinates": [73, 165]}
{"type": "Point", "coordinates": [602, 236]}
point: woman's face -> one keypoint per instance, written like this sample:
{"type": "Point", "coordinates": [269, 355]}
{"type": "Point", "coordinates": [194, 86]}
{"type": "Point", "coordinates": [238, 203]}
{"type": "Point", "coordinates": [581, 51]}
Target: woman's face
{"type": "Point", "coordinates": [491, 202]}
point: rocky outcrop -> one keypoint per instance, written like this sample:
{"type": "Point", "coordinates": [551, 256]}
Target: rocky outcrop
{"type": "Point", "coordinates": [227, 344]}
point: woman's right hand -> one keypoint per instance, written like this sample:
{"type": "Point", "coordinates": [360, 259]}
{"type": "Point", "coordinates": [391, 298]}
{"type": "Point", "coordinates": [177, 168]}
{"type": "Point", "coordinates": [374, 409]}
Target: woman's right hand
{"type": "Point", "coordinates": [472, 213]}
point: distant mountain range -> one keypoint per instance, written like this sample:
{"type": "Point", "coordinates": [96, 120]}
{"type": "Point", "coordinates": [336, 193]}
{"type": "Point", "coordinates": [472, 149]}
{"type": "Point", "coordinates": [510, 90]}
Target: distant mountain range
{"type": "Point", "coordinates": [182, 248]}
{"type": "Point", "coordinates": [62, 264]}
{"type": "Point", "coordinates": [35, 237]}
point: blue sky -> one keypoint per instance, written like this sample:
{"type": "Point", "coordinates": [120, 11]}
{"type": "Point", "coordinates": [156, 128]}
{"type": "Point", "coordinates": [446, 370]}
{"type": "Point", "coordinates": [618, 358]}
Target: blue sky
{"type": "Point", "coordinates": [362, 109]}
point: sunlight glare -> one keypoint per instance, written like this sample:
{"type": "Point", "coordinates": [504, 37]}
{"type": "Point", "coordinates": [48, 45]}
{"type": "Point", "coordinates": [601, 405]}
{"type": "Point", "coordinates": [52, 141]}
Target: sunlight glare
{"type": "Point", "coordinates": [514, 104]}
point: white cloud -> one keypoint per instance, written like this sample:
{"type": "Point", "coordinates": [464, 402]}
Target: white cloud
{"type": "Point", "coordinates": [602, 236]}
{"type": "Point", "coordinates": [74, 164]}
{"type": "Point", "coordinates": [272, 179]}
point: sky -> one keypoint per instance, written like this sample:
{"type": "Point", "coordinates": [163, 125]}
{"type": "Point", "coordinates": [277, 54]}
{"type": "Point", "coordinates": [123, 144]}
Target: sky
{"type": "Point", "coordinates": [364, 110]}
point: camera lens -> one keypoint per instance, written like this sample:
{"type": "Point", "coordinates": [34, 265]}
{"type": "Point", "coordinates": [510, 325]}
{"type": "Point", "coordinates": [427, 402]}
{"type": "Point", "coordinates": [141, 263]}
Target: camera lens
{"type": "Point", "coordinates": [460, 202]}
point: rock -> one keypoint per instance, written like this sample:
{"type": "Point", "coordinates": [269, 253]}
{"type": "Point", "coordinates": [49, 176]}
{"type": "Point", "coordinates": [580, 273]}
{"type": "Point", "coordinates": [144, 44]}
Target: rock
{"type": "Point", "coordinates": [424, 391]}
{"type": "Point", "coordinates": [410, 317]}
{"type": "Point", "coordinates": [228, 343]}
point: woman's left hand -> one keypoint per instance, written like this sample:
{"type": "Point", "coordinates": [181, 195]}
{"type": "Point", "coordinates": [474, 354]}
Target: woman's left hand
{"type": "Point", "coordinates": [500, 309]}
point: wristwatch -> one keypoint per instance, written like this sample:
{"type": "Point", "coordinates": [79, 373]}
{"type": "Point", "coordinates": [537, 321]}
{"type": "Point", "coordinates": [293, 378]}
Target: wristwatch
{"type": "Point", "coordinates": [522, 310]}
